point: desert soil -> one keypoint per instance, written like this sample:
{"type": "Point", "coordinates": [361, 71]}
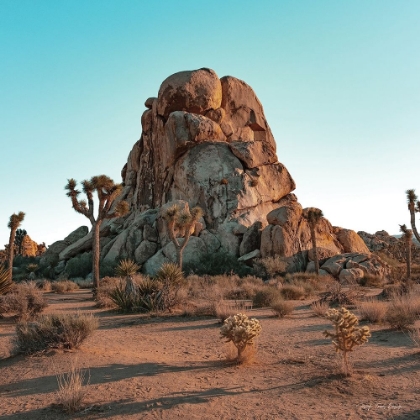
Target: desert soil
{"type": "Point", "coordinates": [143, 367]}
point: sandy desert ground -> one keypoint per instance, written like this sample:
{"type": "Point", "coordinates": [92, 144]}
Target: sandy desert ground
{"type": "Point", "coordinates": [143, 367]}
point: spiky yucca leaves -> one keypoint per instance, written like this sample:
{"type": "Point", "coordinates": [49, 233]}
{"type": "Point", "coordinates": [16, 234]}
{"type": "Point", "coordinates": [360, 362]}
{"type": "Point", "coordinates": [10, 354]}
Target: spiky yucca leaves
{"type": "Point", "coordinates": [183, 221]}
{"type": "Point", "coordinates": [407, 237]}
{"type": "Point", "coordinates": [5, 282]}
{"type": "Point", "coordinates": [14, 222]}
{"type": "Point", "coordinates": [346, 334]}
{"type": "Point", "coordinates": [172, 279]}
{"type": "Point", "coordinates": [313, 215]}
{"type": "Point", "coordinates": [241, 331]}
{"type": "Point", "coordinates": [413, 207]}
{"type": "Point", "coordinates": [107, 192]}
{"type": "Point", "coordinates": [127, 268]}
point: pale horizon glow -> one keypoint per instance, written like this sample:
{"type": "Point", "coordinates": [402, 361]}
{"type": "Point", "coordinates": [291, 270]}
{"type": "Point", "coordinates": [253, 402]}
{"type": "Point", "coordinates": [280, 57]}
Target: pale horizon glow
{"type": "Point", "coordinates": [339, 82]}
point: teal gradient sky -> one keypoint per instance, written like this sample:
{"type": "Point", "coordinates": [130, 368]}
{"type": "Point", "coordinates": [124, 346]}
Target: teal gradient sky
{"type": "Point", "coordinates": [339, 82]}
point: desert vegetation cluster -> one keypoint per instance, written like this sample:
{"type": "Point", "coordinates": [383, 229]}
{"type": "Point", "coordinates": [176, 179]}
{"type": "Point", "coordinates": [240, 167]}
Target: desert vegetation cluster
{"type": "Point", "coordinates": [172, 260]}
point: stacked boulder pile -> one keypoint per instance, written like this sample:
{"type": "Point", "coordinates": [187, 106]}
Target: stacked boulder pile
{"type": "Point", "coordinates": [205, 142]}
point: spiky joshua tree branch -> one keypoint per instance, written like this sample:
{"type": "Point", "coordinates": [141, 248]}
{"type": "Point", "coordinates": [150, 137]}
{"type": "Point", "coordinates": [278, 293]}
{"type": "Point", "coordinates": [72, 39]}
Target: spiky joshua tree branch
{"type": "Point", "coordinates": [183, 222]}
{"type": "Point", "coordinates": [107, 192]}
{"type": "Point", "coordinates": [14, 222]}
{"type": "Point", "coordinates": [413, 207]}
{"type": "Point", "coordinates": [407, 237]}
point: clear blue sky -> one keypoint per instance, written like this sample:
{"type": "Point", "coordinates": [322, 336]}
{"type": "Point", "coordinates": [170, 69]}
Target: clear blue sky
{"type": "Point", "coordinates": [339, 81]}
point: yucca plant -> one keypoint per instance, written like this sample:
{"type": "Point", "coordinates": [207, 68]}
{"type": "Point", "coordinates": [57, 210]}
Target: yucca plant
{"type": "Point", "coordinates": [172, 279]}
{"type": "Point", "coordinates": [5, 282]}
{"type": "Point", "coordinates": [127, 268]}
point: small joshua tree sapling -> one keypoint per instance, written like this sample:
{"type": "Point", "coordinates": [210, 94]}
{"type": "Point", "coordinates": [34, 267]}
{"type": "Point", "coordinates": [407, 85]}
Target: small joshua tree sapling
{"type": "Point", "coordinates": [241, 331]}
{"type": "Point", "coordinates": [346, 334]}
{"type": "Point", "coordinates": [180, 223]}
{"type": "Point", "coordinates": [128, 268]}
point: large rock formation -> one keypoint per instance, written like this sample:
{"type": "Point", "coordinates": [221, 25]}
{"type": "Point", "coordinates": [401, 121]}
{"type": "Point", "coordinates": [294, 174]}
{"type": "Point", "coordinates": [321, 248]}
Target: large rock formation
{"type": "Point", "coordinates": [206, 142]}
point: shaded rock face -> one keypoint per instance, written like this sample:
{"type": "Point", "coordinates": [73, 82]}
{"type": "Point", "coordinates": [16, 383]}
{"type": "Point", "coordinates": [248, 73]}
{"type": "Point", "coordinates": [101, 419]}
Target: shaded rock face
{"type": "Point", "coordinates": [205, 142]}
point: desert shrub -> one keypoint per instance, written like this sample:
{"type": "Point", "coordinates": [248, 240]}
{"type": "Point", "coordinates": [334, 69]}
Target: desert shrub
{"type": "Point", "coordinates": [270, 267]}
{"type": "Point", "coordinates": [337, 296]}
{"type": "Point", "coordinates": [79, 266]}
{"type": "Point", "coordinates": [293, 292]}
{"type": "Point", "coordinates": [102, 297]}
{"type": "Point", "coordinates": [372, 310]}
{"type": "Point", "coordinates": [241, 331]}
{"type": "Point", "coordinates": [54, 331]}
{"type": "Point", "coordinates": [107, 268]}
{"type": "Point", "coordinates": [371, 281]}
{"type": "Point", "coordinates": [281, 307]}
{"type": "Point", "coordinates": [22, 262]}
{"type": "Point", "coordinates": [70, 392]}
{"type": "Point", "coordinates": [311, 281]}
{"type": "Point", "coordinates": [402, 312]}
{"type": "Point", "coordinates": [346, 335]}
{"type": "Point", "coordinates": [83, 284]}
{"type": "Point", "coordinates": [44, 285]}
{"type": "Point", "coordinates": [224, 310]}
{"type": "Point", "coordinates": [217, 263]}
{"type": "Point", "coordinates": [25, 300]}
{"type": "Point", "coordinates": [64, 286]}
{"type": "Point", "coordinates": [320, 308]}
{"type": "Point", "coordinates": [266, 295]}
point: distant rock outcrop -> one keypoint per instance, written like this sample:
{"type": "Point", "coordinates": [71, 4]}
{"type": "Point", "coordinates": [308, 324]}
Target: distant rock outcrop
{"type": "Point", "coordinates": [206, 142]}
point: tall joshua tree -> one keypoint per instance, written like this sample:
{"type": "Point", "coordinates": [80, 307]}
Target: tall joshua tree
{"type": "Point", "coordinates": [182, 221]}
{"type": "Point", "coordinates": [313, 216]}
{"type": "Point", "coordinates": [14, 222]}
{"type": "Point", "coordinates": [407, 237]}
{"type": "Point", "coordinates": [413, 207]}
{"type": "Point", "coordinates": [20, 234]}
{"type": "Point", "coordinates": [107, 192]}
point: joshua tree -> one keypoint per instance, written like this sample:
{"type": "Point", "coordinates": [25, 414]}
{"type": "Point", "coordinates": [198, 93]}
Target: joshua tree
{"type": "Point", "coordinates": [14, 223]}
{"type": "Point", "coordinates": [183, 221]}
{"type": "Point", "coordinates": [20, 234]}
{"type": "Point", "coordinates": [313, 216]}
{"type": "Point", "coordinates": [107, 192]}
{"type": "Point", "coordinates": [413, 207]}
{"type": "Point", "coordinates": [407, 237]}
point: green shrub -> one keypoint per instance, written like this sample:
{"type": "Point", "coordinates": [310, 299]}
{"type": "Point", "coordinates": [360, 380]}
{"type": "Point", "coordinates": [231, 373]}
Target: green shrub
{"type": "Point", "coordinates": [79, 266]}
{"type": "Point", "coordinates": [51, 331]}
{"type": "Point", "coordinates": [217, 263]}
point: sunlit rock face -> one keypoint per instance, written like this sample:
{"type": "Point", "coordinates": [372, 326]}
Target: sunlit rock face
{"type": "Point", "coordinates": [205, 142]}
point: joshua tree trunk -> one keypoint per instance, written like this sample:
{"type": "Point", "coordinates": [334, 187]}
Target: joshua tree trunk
{"type": "Point", "coordinates": [314, 249]}
{"type": "Point", "coordinates": [408, 259]}
{"type": "Point", "coordinates": [96, 253]}
{"type": "Point", "coordinates": [11, 252]}
{"type": "Point", "coordinates": [413, 221]}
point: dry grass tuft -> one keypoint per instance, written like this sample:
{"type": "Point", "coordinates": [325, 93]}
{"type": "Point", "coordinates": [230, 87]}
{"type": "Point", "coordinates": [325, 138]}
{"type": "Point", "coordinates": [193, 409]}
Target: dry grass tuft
{"type": "Point", "coordinates": [320, 308]}
{"type": "Point", "coordinates": [403, 311]}
{"type": "Point", "coordinates": [372, 310]}
{"type": "Point", "coordinates": [293, 292]}
{"type": "Point", "coordinates": [70, 392]}
{"type": "Point", "coordinates": [64, 286]}
{"type": "Point", "coordinates": [415, 336]}
{"type": "Point", "coordinates": [54, 331]}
